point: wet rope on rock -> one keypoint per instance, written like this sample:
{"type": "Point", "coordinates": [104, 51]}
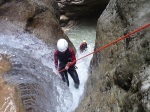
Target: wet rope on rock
{"type": "Point", "coordinates": [109, 44]}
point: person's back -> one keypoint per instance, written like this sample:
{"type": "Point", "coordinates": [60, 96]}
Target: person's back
{"type": "Point", "coordinates": [83, 46]}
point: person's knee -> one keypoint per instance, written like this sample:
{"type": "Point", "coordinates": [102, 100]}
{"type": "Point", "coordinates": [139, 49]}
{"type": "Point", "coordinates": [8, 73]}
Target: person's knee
{"type": "Point", "coordinates": [64, 79]}
{"type": "Point", "coordinates": [76, 78]}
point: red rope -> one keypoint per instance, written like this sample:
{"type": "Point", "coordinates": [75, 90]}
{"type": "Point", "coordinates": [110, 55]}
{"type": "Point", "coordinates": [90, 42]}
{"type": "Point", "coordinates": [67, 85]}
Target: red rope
{"type": "Point", "coordinates": [113, 42]}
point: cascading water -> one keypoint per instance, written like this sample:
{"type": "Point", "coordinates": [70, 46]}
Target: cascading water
{"type": "Point", "coordinates": [32, 64]}
{"type": "Point", "coordinates": [85, 30]}
{"type": "Point", "coordinates": [41, 90]}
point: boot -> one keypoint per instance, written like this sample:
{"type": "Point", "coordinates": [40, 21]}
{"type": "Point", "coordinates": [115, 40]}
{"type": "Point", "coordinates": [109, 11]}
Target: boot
{"type": "Point", "coordinates": [76, 86]}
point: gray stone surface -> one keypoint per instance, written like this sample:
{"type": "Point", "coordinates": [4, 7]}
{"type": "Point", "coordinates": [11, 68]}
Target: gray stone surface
{"type": "Point", "coordinates": [40, 18]}
{"type": "Point", "coordinates": [115, 82]}
{"type": "Point", "coordinates": [75, 9]}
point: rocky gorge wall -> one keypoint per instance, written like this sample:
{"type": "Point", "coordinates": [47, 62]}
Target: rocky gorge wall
{"type": "Point", "coordinates": [71, 10]}
{"type": "Point", "coordinates": [40, 18]}
{"type": "Point", "coordinates": [29, 30]}
{"type": "Point", "coordinates": [119, 78]}
{"type": "Point", "coordinates": [117, 73]}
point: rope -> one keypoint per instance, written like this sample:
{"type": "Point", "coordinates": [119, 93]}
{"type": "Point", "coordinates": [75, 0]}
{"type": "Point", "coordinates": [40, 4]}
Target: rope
{"type": "Point", "coordinates": [111, 43]}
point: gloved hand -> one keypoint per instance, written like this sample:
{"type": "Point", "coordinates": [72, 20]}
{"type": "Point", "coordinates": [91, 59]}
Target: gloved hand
{"type": "Point", "coordinates": [57, 73]}
{"type": "Point", "coordinates": [68, 65]}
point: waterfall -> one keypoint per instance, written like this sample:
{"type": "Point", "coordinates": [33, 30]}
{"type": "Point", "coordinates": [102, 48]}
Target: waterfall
{"type": "Point", "coordinates": [32, 71]}
{"type": "Point", "coordinates": [41, 90]}
{"type": "Point", "coordinates": [84, 30]}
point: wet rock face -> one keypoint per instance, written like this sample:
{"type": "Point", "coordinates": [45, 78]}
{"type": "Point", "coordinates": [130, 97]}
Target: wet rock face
{"type": "Point", "coordinates": [40, 18]}
{"type": "Point", "coordinates": [122, 63]}
{"type": "Point", "coordinates": [29, 30]}
{"type": "Point", "coordinates": [28, 84]}
{"type": "Point", "coordinates": [123, 78]}
{"type": "Point", "coordinates": [73, 9]}
{"type": "Point", "coordinates": [8, 91]}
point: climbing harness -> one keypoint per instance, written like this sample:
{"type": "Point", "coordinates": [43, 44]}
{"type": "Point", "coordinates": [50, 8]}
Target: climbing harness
{"type": "Point", "coordinates": [109, 44]}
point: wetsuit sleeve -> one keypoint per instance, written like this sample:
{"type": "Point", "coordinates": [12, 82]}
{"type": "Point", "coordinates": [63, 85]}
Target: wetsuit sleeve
{"type": "Point", "coordinates": [56, 59]}
{"type": "Point", "coordinates": [73, 56]}
{"type": "Point", "coordinates": [81, 46]}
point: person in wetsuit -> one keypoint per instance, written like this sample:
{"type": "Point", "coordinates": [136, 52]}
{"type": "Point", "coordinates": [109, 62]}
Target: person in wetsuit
{"type": "Point", "coordinates": [64, 58]}
{"type": "Point", "coordinates": [83, 46]}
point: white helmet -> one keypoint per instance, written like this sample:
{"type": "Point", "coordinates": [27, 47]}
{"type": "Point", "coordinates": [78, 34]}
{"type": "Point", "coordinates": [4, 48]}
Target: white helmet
{"type": "Point", "coordinates": [84, 40]}
{"type": "Point", "coordinates": [62, 45]}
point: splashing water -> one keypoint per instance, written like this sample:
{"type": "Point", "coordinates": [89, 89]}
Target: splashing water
{"type": "Point", "coordinates": [77, 35]}
{"type": "Point", "coordinates": [41, 90]}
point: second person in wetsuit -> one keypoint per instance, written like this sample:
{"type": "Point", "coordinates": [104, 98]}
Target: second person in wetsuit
{"type": "Point", "coordinates": [83, 46]}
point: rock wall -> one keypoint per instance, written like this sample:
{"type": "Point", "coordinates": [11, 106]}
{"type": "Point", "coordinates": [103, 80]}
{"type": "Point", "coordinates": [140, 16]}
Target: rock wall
{"type": "Point", "coordinates": [119, 74]}
{"type": "Point", "coordinates": [7, 91]}
{"type": "Point", "coordinates": [40, 18]}
{"type": "Point", "coordinates": [73, 9]}
{"type": "Point", "coordinates": [29, 30]}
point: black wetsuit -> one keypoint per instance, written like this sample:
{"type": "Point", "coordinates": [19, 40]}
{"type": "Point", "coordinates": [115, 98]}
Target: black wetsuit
{"type": "Point", "coordinates": [83, 46]}
{"type": "Point", "coordinates": [64, 58]}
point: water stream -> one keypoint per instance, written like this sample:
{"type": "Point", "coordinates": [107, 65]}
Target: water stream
{"type": "Point", "coordinates": [32, 65]}
{"type": "Point", "coordinates": [41, 90]}
{"type": "Point", "coordinates": [84, 30]}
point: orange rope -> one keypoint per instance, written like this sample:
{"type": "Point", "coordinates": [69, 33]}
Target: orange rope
{"type": "Point", "coordinates": [111, 43]}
